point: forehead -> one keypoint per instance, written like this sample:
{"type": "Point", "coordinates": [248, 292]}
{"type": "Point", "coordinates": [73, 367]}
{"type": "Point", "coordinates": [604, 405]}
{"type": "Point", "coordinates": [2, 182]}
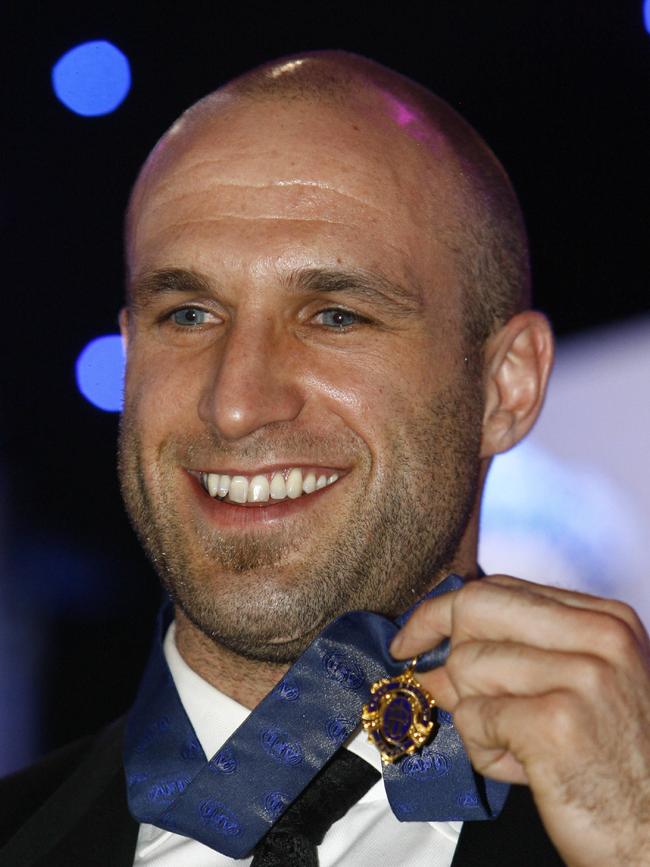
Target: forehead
{"type": "Point", "coordinates": [273, 179]}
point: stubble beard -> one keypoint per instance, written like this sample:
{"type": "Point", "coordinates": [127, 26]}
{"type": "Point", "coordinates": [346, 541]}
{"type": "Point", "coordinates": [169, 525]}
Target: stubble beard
{"type": "Point", "coordinates": [266, 597]}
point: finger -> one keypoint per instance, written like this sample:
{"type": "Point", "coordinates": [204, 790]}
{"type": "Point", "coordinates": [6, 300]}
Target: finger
{"type": "Point", "coordinates": [426, 627]}
{"type": "Point", "coordinates": [495, 668]}
{"type": "Point", "coordinates": [485, 610]}
{"type": "Point", "coordinates": [439, 685]}
{"type": "Point", "coordinates": [615, 607]}
{"type": "Point", "coordinates": [518, 739]}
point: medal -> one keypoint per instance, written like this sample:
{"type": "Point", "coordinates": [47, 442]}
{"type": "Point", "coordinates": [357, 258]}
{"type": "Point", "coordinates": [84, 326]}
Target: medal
{"type": "Point", "coordinates": [398, 719]}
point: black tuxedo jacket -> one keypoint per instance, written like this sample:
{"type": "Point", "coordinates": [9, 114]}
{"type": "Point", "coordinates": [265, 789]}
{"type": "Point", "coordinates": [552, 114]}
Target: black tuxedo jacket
{"type": "Point", "coordinates": [70, 810]}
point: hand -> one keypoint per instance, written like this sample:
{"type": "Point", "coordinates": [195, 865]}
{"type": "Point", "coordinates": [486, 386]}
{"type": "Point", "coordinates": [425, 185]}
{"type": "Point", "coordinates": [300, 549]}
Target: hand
{"type": "Point", "coordinates": [552, 689]}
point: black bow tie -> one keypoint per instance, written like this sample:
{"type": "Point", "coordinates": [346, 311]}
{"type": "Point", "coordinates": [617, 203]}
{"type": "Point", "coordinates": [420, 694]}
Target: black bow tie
{"type": "Point", "coordinates": [334, 790]}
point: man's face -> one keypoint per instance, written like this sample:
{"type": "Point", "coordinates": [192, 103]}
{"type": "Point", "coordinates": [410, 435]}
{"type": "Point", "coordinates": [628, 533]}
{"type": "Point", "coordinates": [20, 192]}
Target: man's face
{"type": "Point", "coordinates": [295, 318]}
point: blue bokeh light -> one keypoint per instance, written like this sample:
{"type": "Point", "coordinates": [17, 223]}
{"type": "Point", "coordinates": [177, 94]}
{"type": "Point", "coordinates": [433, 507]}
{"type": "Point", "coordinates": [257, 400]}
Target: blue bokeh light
{"type": "Point", "coordinates": [646, 15]}
{"type": "Point", "coordinates": [100, 372]}
{"type": "Point", "coordinates": [92, 79]}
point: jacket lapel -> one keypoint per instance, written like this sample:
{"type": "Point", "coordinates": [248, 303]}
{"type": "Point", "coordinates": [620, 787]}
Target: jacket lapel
{"type": "Point", "coordinates": [516, 838]}
{"type": "Point", "coordinates": [86, 821]}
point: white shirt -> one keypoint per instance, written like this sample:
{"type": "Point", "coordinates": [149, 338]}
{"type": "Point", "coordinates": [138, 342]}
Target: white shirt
{"type": "Point", "coordinates": [369, 834]}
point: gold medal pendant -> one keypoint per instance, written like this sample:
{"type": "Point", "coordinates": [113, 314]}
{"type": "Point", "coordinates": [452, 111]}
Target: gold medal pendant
{"type": "Point", "coordinates": [399, 716]}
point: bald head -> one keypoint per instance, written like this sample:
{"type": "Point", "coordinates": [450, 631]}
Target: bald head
{"type": "Point", "coordinates": [466, 201]}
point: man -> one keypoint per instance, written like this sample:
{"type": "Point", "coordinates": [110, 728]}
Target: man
{"type": "Point", "coordinates": [328, 339]}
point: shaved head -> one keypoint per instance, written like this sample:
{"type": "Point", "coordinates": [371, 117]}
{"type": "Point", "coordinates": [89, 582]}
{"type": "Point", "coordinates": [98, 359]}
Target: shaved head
{"type": "Point", "coordinates": [483, 225]}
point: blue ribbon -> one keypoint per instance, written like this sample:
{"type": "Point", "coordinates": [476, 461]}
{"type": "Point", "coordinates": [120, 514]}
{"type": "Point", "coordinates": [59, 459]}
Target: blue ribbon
{"type": "Point", "coordinates": [231, 801]}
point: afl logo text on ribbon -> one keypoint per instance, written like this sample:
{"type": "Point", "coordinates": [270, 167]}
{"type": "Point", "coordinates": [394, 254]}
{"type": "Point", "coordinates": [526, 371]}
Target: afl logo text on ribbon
{"type": "Point", "coordinates": [276, 744]}
{"type": "Point", "coordinates": [425, 766]}
{"type": "Point", "coordinates": [219, 818]}
{"type": "Point", "coordinates": [338, 728]}
{"type": "Point", "coordinates": [288, 690]}
{"type": "Point", "coordinates": [191, 749]}
{"type": "Point", "coordinates": [224, 761]}
{"type": "Point", "coordinates": [167, 790]}
{"type": "Point", "coordinates": [153, 731]}
{"type": "Point", "coordinates": [345, 672]}
{"type": "Point", "coordinates": [275, 803]}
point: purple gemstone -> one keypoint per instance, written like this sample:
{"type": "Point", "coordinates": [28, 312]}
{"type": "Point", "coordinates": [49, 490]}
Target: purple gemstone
{"type": "Point", "coordinates": [397, 719]}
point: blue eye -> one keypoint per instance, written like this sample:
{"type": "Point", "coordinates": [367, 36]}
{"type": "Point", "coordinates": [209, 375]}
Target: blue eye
{"type": "Point", "coordinates": [189, 316]}
{"type": "Point", "coordinates": [338, 318]}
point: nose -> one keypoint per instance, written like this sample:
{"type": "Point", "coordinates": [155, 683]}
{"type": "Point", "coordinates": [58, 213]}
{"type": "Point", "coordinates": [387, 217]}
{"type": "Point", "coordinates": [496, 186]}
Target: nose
{"type": "Point", "coordinates": [252, 381]}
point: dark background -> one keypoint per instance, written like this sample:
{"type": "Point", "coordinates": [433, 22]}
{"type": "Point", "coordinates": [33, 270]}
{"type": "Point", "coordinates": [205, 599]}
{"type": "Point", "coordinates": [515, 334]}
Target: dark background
{"type": "Point", "coordinates": [558, 89]}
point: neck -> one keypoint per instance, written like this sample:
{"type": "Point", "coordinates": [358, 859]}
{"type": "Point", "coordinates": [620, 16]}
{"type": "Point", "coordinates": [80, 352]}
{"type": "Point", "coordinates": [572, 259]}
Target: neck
{"type": "Point", "coordinates": [246, 681]}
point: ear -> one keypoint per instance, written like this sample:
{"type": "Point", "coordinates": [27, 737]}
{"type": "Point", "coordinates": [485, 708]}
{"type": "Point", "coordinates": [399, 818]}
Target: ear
{"type": "Point", "coordinates": [124, 327]}
{"type": "Point", "coordinates": [518, 361]}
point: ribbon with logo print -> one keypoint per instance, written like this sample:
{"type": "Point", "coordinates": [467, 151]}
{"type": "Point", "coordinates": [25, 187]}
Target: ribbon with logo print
{"type": "Point", "coordinates": [231, 801]}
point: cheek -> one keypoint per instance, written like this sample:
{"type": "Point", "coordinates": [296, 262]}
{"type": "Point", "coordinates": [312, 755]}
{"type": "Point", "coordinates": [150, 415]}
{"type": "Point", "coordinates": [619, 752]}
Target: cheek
{"type": "Point", "coordinates": [160, 395]}
{"type": "Point", "coordinates": [372, 396]}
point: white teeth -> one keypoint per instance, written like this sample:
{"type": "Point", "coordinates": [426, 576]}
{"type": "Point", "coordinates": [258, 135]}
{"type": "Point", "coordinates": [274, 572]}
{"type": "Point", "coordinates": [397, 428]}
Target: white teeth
{"type": "Point", "coordinates": [238, 489]}
{"type": "Point", "coordinates": [258, 490]}
{"type": "Point", "coordinates": [224, 486]}
{"type": "Point", "coordinates": [294, 483]}
{"type": "Point", "coordinates": [278, 488]}
{"type": "Point", "coordinates": [213, 484]}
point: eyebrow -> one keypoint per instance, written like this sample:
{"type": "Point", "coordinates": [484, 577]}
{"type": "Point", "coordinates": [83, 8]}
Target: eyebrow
{"type": "Point", "coordinates": [375, 288]}
{"type": "Point", "coordinates": [165, 281]}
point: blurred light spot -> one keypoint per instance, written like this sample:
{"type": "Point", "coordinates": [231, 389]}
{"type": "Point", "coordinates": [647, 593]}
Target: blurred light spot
{"type": "Point", "coordinates": [100, 372]}
{"type": "Point", "coordinates": [92, 78]}
{"type": "Point", "coordinates": [646, 15]}
{"type": "Point", "coordinates": [555, 521]}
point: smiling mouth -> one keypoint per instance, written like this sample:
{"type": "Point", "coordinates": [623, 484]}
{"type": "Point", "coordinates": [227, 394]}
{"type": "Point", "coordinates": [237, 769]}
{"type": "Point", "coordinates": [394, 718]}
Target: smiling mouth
{"type": "Point", "coordinates": [288, 483]}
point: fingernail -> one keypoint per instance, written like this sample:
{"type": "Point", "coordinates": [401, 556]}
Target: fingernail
{"type": "Point", "coordinates": [396, 645]}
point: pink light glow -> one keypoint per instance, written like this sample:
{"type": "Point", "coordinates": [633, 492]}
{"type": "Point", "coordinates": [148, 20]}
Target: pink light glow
{"type": "Point", "coordinates": [404, 115]}
{"type": "Point", "coordinates": [410, 119]}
